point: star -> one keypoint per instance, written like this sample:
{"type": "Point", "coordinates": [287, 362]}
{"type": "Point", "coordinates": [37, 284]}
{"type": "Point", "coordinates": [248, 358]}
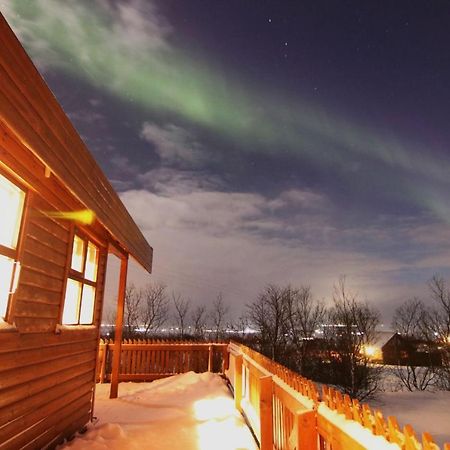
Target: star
{"type": "Point", "coordinates": [269, 20]}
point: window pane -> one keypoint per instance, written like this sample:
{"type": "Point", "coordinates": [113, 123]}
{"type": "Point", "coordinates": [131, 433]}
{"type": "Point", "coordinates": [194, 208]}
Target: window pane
{"type": "Point", "coordinates": [11, 205]}
{"type": "Point", "coordinates": [87, 305]}
{"type": "Point", "coordinates": [71, 302]}
{"type": "Point", "coordinates": [78, 254]}
{"type": "Point", "coordinates": [6, 270]}
{"type": "Point", "coordinates": [90, 272]}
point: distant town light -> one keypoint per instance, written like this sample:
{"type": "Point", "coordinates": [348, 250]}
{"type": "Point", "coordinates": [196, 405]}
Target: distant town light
{"type": "Point", "coordinates": [369, 350]}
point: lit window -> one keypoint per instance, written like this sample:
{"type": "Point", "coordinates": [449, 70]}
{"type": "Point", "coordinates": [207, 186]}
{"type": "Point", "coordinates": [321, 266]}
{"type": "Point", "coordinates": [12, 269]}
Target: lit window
{"type": "Point", "coordinates": [11, 204]}
{"type": "Point", "coordinates": [77, 254]}
{"type": "Point", "coordinates": [91, 262]}
{"type": "Point", "coordinates": [87, 304]}
{"type": "Point", "coordinates": [79, 300]}
{"type": "Point", "coordinates": [72, 302]}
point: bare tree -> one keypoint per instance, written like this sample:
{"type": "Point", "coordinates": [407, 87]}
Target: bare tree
{"type": "Point", "coordinates": [268, 313]}
{"type": "Point", "coordinates": [218, 316]}
{"type": "Point", "coordinates": [181, 306]}
{"type": "Point", "coordinates": [352, 326]}
{"type": "Point", "coordinates": [439, 326]}
{"type": "Point", "coordinates": [155, 308]}
{"type": "Point", "coordinates": [198, 318]}
{"type": "Point", "coordinates": [133, 310]}
{"type": "Point", "coordinates": [304, 316]}
{"type": "Point", "coordinates": [241, 325]}
{"type": "Point", "coordinates": [411, 320]}
{"type": "Point", "coordinates": [408, 318]}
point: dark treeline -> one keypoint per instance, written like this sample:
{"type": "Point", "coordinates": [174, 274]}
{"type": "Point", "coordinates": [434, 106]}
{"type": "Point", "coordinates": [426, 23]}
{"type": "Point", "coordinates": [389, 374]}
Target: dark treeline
{"type": "Point", "coordinates": [325, 343]}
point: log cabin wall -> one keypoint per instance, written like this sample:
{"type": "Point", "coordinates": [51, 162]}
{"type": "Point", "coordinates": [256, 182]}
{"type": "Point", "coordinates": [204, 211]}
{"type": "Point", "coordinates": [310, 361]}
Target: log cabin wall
{"type": "Point", "coordinates": [47, 372]}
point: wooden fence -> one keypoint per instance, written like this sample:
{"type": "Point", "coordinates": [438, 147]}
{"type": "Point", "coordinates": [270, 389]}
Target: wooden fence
{"type": "Point", "coordinates": [286, 411]}
{"type": "Point", "coordinates": [145, 360]}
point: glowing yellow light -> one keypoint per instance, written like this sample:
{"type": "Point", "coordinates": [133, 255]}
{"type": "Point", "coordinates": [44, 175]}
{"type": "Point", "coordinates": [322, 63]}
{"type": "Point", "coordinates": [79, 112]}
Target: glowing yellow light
{"type": "Point", "coordinates": [11, 204]}
{"type": "Point", "coordinates": [84, 216]}
{"type": "Point", "coordinates": [87, 305]}
{"type": "Point", "coordinates": [90, 272]}
{"type": "Point", "coordinates": [77, 254]}
{"type": "Point", "coordinates": [71, 302]}
{"type": "Point", "coordinates": [369, 350]}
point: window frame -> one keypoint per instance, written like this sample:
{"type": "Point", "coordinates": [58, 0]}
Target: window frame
{"type": "Point", "coordinates": [80, 276]}
{"type": "Point", "coordinates": [11, 253]}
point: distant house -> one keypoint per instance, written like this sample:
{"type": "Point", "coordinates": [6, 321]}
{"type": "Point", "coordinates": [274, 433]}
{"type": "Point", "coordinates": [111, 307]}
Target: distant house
{"type": "Point", "coordinates": [404, 350]}
{"type": "Point", "coordinates": [59, 219]}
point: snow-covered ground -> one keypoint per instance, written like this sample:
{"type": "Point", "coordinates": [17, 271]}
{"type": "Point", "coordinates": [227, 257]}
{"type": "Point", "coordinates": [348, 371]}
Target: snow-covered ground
{"type": "Point", "coordinates": [188, 411]}
{"type": "Point", "coordinates": [196, 411]}
{"type": "Point", "coordinates": [425, 411]}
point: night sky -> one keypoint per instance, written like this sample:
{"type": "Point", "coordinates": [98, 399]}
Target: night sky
{"type": "Point", "coordinates": [261, 142]}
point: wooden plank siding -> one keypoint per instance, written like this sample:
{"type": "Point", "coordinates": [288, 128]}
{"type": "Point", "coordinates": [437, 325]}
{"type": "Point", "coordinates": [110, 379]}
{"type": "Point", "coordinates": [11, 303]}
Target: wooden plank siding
{"type": "Point", "coordinates": [47, 372]}
{"type": "Point", "coordinates": [30, 111]}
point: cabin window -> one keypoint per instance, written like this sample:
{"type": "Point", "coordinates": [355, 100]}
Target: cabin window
{"type": "Point", "coordinates": [12, 200]}
{"type": "Point", "coordinates": [81, 286]}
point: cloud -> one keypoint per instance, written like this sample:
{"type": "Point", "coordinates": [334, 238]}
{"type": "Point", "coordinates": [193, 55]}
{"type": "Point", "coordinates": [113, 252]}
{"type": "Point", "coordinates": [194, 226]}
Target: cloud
{"type": "Point", "coordinates": [166, 181]}
{"type": "Point", "coordinates": [215, 213]}
{"type": "Point", "coordinates": [174, 145]}
{"type": "Point", "coordinates": [146, 30]}
{"type": "Point", "coordinates": [51, 29]}
{"type": "Point", "coordinates": [298, 198]}
{"type": "Point", "coordinates": [207, 241]}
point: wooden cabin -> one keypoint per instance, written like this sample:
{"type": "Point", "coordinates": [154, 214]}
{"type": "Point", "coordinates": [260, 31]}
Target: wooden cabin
{"type": "Point", "coordinates": [409, 351]}
{"type": "Point", "coordinates": [59, 218]}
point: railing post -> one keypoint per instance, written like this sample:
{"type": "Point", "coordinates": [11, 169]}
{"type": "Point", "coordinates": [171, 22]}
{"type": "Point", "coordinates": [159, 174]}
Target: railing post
{"type": "Point", "coordinates": [266, 412]}
{"type": "Point", "coordinates": [210, 358]}
{"type": "Point", "coordinates": [103, 362]}
{"type": "Point", "coordinates": [306, 423]}
{"type": "Point", "coordinates": [119, 327]}
{"type": "Point", "coordinates": [238, 382]}
{"type": "Point", "coordinates": [225, 358]}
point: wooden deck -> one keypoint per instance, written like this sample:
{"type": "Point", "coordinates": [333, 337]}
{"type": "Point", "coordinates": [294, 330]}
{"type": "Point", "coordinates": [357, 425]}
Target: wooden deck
{"type": "Point", "coordinates": [189, 411]}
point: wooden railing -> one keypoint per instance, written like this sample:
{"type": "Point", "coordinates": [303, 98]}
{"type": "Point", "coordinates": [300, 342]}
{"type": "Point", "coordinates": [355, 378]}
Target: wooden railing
{"type": "Point", "coordinates": [286, 411]}
{"type": "Point", "coordinates": [144, 360]}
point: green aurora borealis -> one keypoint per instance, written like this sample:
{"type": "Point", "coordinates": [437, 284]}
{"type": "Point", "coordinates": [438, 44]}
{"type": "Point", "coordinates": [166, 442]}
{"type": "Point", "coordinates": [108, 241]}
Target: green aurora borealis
{"type": "Point", "coordinates": [83, 39]}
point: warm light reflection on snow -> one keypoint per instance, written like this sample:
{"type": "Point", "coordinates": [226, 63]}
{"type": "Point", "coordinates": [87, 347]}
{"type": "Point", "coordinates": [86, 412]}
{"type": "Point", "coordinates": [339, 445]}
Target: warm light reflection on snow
{"type": "Point", "coordinates": [191, 411]}
{"type": "Point", "coordinates": [221, 426]}
{"type": "Point", "coordinates": [215, 408]}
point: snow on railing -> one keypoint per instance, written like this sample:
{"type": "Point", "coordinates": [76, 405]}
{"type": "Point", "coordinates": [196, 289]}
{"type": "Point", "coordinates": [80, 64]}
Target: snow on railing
{"type": "Point", "coordinates": [286, 411]}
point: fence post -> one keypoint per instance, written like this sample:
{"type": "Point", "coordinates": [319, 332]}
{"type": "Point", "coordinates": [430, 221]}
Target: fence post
{"type": "Point", "coordinates": [306, 430]}
{"type": "Point", "coordinates": [210, 358]}
{"type": "Point", "coordinates": [266, 413]}
{"type": "Point", "coordinates": [225, 358]}
{"type": "Point", "coordinates": [238, 382]}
